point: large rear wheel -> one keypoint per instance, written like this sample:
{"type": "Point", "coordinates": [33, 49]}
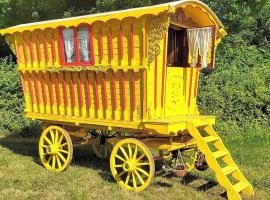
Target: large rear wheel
{"type": "Point", "coordinates": [132, 164]}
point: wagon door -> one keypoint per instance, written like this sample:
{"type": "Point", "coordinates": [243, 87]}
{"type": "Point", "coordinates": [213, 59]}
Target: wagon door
{"type": "Point", "coordinates": [183, 69]}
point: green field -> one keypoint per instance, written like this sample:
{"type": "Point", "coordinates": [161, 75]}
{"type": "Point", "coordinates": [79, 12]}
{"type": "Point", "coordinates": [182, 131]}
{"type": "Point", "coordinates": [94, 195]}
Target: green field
{"type": "Point", "coordinates": [23, 177]}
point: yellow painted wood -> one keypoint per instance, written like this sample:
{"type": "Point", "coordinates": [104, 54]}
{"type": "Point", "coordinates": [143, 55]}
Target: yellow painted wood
{"type": "Point", "coordinates": [213, 160]}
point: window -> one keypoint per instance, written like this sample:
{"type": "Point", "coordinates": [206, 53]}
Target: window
{"type": "Point", "coordinates": [76, 46]}
{"type": "Point", "coordinates": [177, 48]}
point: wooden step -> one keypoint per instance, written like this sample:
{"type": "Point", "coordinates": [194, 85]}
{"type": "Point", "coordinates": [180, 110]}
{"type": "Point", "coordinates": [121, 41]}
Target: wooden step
{"type": "Point", "coordinates": [240, 186]}
{"type": "Point", "coordinates": [210, 139]}
{"type": "Point", "coordinates": [229, 169]}
{"type": "Point", "coordinates": [219, 154]}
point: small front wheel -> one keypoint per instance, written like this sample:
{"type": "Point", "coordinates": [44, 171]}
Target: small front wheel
{"type": "Point", "coordinates": [55, 149]}
{"type": "Point", "coordinates": [132, 164]}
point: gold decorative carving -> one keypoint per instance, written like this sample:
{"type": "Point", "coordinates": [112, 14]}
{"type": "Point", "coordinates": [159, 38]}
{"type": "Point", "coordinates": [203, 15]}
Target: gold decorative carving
{"type": "Point", "coordinates": [180, 18]}
{"type": "Point", "coordinates": [158, 25]}
{"type": "Point", "coordinates": [11, 42]}
{"type": "Point", "coordinates": [99, 68]}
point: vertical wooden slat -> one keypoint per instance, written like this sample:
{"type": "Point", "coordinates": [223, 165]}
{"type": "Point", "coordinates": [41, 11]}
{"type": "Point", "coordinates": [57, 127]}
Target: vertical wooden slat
{"type": "Point", "coordinates": [37, 92]}
{"type": "Point", "coordinates": [190, 86]}
{"type": "Point", "coordinates": [100, 44]}
{"type": "Point", "coordinates": [32, 50]}
{"type": "Point", "coordinates": [146, 39]}
{"type": "Point", "coordinates": [133, 85]}
{"type": "Point", "coordinates": [123, 92]}
{"type": "Point", "coordinates": [88, 93]}
{"type": "Point", "coordinates": [114, 91]}
{"type": "Point", "coordinates": [18, 51]}
{"type": "Point", "coordinates": [121, 42]}
{"type": "Point", "coordinates": [72, 89]}
{"type": "Point", "coordinates": [57, 89]}
{"type": "Point", "coordinates": [53, 49]}
{"type": "Point", "coordinates": [25, 49]}
{"type": "Point", "coordinates": [111, 44]}
{"type": "Point", "coordinates": [196, 82]}
{"type": "Point", "coordinates": [132, 43]}
{"type": "Point", "coordinates": [51, 93]}
{"type": "Point", "coordinates": [105, 91]}
{"type": "Point", "coordinates": [25, 92]}
{"type": "Point", "coordinates": [65, 90]}
{"type": "Point", "coordinates": [31, 92]}
{"type": "Point", "coordinates": [44, 93]}
{"type": "Point", "coordinates": [46, 49]}
{"type": "Point", "coordinates": [38, 48]}
{"type": "Point", "coordinates": [80, 90]}
{"type": "Point", "coordinates": [96, 91]}
{"type": "Point", "coordinates": [155, 82]}
{"type": "Point", "coordinates": [163, 69]}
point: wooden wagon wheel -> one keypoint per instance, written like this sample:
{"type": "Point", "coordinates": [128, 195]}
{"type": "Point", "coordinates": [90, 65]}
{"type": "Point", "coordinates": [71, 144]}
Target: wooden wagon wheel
{"type": "Point", "coordinates": [183, 158]}
{"type": "Point", "coordinates": [132, 164]}
{"type": "Point", "coordinates": [55, 149]}
{"type": "Point", "coordinates": [103, 149]}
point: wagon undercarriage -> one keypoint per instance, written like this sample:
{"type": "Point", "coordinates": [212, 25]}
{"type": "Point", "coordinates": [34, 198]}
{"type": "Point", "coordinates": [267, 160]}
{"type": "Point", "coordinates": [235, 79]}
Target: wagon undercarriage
{"type": "Point", "coordinates": [133, 154]}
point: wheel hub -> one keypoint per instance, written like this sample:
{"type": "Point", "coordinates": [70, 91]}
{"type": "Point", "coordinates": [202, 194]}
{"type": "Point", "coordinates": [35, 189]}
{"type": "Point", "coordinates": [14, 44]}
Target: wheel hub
{"type": "Point", "coordinates": [52, 149]}
{"type": "Point", "coordinates": [129, 166]}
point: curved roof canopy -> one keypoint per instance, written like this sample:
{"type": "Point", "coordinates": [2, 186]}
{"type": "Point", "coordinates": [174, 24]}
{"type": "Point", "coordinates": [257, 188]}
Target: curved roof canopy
{"type": "Point", "coordinates": [198, 11]}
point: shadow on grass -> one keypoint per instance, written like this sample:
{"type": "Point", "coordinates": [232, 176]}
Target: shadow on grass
{"type": "Point", "coordinates": [83, 157]}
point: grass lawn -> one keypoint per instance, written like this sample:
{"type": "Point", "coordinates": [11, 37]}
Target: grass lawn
{"type": "Point", "coordinates": [22, 176]}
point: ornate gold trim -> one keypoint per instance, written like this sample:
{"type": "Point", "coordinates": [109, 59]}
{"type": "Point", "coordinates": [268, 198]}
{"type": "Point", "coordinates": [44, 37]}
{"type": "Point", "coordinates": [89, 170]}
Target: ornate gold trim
{"type": "Point", "coordinates": [11, 42]}
{"type": "Point", "coordinates": [158, 26]}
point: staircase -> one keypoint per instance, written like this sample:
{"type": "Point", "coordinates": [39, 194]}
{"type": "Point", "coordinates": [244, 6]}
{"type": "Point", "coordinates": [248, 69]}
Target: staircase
{"type": "Point", "coordinates": [219, 159]}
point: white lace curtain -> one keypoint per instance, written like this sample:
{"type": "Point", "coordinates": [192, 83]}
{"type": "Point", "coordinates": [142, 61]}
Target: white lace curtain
{"type": "Point", "coordinates": [83, 36]}
{"type": "Point", "coordinates": [199, 41]}
{"type": "Point", "coordinates": [68, 37]}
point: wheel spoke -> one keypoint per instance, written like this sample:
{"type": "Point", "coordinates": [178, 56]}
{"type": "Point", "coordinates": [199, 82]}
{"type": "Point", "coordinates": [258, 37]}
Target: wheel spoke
{"type": "Point", "coordinates": [63, 145]}
{"type": "Point", "coordinates": [142, 164]}
{"type": "Point", "coordinates": [130, 151]}
{"type": "Point", "coordinates": [143, 171]}
{"type": "Point", "coordinates": [121, 174]}
{"type": "Point", "coordinates": [47, 140]}
{"type": "Point", "coordinates": [61, 138]}
{"type": "Point", "coordinates": [127, 179]}
{"type": "Point", "coordinates": [49, 160]}
{"type": "Point", "coordinates": [124, 152]}
{"type": "Point", "coordinates": [141, 157]}
{"type": "Point", "coordinates": [63, 151]}
{"type": "Point", "coordinates": [118, 166]}
{"type": "Point", "coordinates": [58, 162]}
{"type": "Point", "coordinates": [62, 157]}
{"type": "Point", "coordinates": [135, 152]}
{"type": "Point", "coordinates": [56, 137]}
{"type": "Point", "coordinates": [139, 177]}
{"type": "Point", "coordinates": [45, 146]}
{"type": "Point", "coordinates": [53, 162]}
{"type": "Point", "coordinates": [120, 158]}
{"type": "Point", "coordinates": [52, 135]}
{"type": "Point", "coordinates": [134, 180]}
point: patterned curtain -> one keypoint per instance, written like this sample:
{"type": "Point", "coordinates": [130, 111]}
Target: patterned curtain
{"type": "Point", "coordinates": [199, 41]}
{"type": "Point", "coordinates": [68, 36]}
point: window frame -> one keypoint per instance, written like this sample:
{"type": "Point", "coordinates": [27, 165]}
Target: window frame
{"type": "Point", "coordinates": [76, 46]}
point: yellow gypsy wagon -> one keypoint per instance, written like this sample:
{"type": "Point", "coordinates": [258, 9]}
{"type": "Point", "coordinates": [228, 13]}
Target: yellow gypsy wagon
{"type": "Point", "coordinates": [127, 80]}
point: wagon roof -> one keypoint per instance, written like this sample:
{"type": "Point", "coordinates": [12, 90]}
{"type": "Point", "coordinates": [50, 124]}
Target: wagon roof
{"type": "Point", "coordinates": [119, 15]}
